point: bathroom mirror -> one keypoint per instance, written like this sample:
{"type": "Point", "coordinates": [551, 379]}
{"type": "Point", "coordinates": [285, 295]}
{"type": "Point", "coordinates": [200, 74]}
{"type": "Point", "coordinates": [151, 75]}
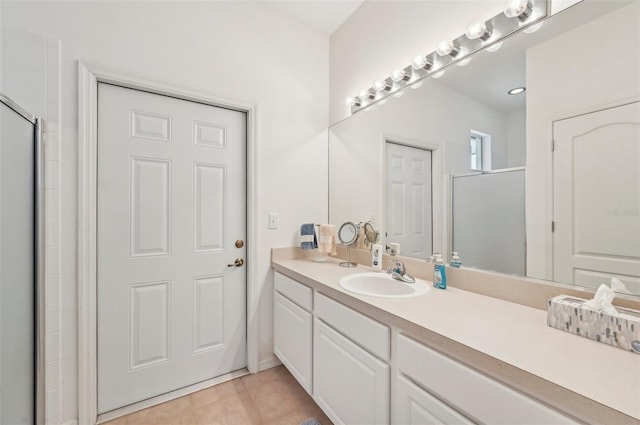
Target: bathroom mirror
{"type": "Point", "coordinates": [348, 233]}
{"type": "Point", "coordinates": [457, 164]}
{"type": "Point", "coordinates": [371, 233]}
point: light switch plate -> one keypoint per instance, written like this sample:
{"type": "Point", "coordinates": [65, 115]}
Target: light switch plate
{"type": "Point", "coordinates": [273, 221]}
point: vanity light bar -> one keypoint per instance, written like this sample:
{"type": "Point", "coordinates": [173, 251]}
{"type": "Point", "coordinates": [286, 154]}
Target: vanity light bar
{"type": "Point", "coordinates": [518, 15]}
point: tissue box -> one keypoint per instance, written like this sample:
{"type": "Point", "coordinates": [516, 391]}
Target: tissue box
{"type": "Point", "coordinates": [568, 314]}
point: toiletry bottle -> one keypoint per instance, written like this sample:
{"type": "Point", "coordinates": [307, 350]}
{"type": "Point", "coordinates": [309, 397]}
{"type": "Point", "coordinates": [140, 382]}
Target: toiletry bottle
{"type": "Point", "coordinates": [455, 260]}
{"type": "Point", "coordinates": [439, 273]}
{"type": "Point", "coordinates": [376, 257]}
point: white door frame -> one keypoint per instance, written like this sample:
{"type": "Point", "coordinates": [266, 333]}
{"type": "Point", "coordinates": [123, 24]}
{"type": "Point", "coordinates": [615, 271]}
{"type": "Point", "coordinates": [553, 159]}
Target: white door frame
{"type": "Point", "coordinates": [88, 78]}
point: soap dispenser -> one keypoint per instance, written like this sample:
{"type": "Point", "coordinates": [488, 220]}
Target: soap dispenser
{"type": "Point", "coordinates": [376, 257]}
{"type": "Point", "coordinates": [455, 260]}
{"type": "Point", "coordinates": [439, 273]}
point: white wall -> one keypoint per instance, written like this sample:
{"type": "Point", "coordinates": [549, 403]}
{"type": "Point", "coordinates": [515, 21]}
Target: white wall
{"type": "Point", "coordinates": [384, 35]}
{"type": "Point", "coordinates": [237, 50]}
{"type": "Point", "coordinates": [590, 67]}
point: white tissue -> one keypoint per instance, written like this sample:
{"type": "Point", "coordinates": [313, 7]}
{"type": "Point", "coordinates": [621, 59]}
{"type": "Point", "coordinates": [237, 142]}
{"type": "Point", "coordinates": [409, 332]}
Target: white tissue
{"type": "Point", "coordinates": [602, 300]}
{"type": "Point", "coordinates": [618, 286]}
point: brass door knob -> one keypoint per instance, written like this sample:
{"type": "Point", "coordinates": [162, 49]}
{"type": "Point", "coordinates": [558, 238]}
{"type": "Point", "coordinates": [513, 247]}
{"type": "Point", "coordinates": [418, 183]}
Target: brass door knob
{"type": "Point", "coordinates": [239, 262]}
{"type": "Point", "coordinates": [239, 243]}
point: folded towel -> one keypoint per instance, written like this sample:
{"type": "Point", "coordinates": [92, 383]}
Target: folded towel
{"type": "Point", "coordinates": [308, 238]}
{"type": "Point", "coordinates": [327, 239]}
{"type": "Point", "coordinates": [311, 421]}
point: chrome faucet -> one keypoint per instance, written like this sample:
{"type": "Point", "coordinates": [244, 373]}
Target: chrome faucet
{"type": "Point", "coordinates": [398, 271]}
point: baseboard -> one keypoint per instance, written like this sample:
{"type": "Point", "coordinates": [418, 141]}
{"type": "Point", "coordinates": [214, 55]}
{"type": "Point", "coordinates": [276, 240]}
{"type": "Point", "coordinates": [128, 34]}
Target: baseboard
{"type": "Point", "coordinates": [268, 363]}
{"type": "Point", "coordinates": [70, 422]}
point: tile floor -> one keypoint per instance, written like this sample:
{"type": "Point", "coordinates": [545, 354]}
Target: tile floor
{"type": "Point", "coordinates": [271, 397]}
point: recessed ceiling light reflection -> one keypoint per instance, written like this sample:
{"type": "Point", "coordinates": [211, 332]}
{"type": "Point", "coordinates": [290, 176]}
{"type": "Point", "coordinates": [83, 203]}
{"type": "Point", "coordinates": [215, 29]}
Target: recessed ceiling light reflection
{"type": "Point", "coordinates": [517, 90]}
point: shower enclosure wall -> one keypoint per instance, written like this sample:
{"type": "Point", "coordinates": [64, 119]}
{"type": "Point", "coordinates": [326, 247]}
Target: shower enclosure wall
{"type": "Point", "coordinates": [21, 266]}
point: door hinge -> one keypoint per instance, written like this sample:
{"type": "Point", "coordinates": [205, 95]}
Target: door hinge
{"type": "Point", "coordinates": [553, 226]}
{"type": "Point", "coordinates": [553, 145]}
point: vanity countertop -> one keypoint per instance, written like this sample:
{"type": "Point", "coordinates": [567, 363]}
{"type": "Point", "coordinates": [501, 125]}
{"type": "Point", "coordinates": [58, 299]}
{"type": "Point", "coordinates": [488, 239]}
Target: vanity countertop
{"type": "Point", "coordinates": [574, 371]}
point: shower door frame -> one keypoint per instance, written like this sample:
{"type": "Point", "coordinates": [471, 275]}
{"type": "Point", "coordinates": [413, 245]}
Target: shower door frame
{"type": "Point", "coordinates": [39, 264]}
{"type": "Point", "coordinates": [88, 78]}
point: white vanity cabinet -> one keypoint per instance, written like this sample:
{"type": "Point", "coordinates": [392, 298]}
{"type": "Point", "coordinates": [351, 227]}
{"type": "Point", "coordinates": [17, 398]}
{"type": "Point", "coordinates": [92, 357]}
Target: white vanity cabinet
{"type": "Point", "coordinates": [293, 328]}
{"type": "Point", "coordinates": [344, 360]}
{"type": "Point", "coordinates": [455, 394]}
{"type": "Point", "coordinates": [350, 378]}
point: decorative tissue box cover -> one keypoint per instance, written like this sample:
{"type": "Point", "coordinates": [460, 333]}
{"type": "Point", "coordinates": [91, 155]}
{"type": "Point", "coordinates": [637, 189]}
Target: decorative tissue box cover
{"type": "Point", "coordinates": [568, 314]}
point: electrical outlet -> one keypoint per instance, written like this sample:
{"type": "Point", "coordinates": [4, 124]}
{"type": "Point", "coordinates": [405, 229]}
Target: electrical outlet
{"type": "Point", "coordinates": [273, 221]}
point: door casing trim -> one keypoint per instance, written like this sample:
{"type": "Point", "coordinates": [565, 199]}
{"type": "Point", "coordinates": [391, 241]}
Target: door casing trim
{"type": "Point", "coordinates": [89, 76]}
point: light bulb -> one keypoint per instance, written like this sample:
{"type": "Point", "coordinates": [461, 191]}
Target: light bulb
{"type": "Point", "coordinates": [366, 94]}
{"type": "Point", "coordinates": [348, 101]}
{"type": "Point", "coordinates": [399, 75]}
{"type": "Point", "coordinates": [494, 47]}
{"type": "Point", "coordinates": [478, 29]}
{"type": "Point", "coordinates": [446, 47]}
{"type": "Point", "coordinates": [520, 9]}
{"type": "Point", "coordinates": [380, 85]}
{"type": "Point", "coordinates": [421, 62]}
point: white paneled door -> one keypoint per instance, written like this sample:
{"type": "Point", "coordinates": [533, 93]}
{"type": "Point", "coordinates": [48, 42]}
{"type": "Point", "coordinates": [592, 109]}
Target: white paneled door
{"type": "Point", "coordinates": [171, 208]}
{"type": "Point", "coordinates": [597, 198]}
{"type": "Point", "coordinates": [408, 199]}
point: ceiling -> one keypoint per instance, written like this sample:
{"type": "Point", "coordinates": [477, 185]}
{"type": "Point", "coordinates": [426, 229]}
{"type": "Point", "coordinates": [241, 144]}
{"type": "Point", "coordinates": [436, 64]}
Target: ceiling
{"type": "Point", "coordinates": [325, 16]}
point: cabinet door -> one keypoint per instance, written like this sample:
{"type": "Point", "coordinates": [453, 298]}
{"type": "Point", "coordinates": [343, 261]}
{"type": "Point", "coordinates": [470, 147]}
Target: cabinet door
{"type": "Point", "coordinates": [414, 406]}
{"type": "Point", "coordinates": [349, 384]}
{"type": "Point", "coordinates": [292, 339]}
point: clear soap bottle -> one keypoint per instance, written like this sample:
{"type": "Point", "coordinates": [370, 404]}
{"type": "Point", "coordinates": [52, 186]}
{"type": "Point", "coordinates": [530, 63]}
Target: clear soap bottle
{"type": "Point", "coordinates": [455, 260]}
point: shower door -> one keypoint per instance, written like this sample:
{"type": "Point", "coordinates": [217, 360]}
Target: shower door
{"type": "Point", "coordinates": [18, 264]}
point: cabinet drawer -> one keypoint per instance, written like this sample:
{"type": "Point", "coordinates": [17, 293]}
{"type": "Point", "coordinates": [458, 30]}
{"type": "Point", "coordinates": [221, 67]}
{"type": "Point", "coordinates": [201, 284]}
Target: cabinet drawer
{"type": "Point", "coordinates": [415, 406]}
{"type": "Point", "coordinates": [370, 334]}
{"type": "Point", "coordinates": [295, 291]}
{"type": "Point", "coordinates": [469, 392]}
{"type": "Point", "coordinates": [349, 384]}
{"type": "Point", "coordinates": [292, 336]}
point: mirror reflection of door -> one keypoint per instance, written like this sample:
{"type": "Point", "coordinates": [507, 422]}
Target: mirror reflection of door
{"type": "Point", "coordinates": [408, 199]}
{"type": "Point", "coordinates": [597, 198]}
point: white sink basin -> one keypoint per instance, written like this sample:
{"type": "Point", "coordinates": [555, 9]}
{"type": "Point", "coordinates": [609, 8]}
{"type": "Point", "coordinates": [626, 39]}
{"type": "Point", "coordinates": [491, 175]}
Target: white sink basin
{"type": "Point", "coordinates": [382, 285]}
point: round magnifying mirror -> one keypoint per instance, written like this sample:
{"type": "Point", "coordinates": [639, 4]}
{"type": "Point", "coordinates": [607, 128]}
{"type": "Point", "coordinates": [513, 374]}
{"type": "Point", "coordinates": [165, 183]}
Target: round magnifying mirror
{"type": "Point", "coordinates": [371, 233]}
{"type": "Point", "coordinates": [348, 233]}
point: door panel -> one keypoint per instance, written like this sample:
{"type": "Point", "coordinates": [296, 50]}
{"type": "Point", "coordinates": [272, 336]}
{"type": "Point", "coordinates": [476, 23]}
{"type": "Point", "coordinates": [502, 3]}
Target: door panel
{"type": "Point", "coordinates": [349, 384]}
{"type": "Point", "coordinates": [171, 195]}
{"type": "Point", "coordinates": [408, 199]}
{"type": "Point", "coordinates": [597, 197]}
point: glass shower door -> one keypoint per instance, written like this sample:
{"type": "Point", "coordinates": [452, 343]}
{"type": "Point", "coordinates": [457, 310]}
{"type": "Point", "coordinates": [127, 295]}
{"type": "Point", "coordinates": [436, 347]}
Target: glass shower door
{"type": "Point", "coordinates": [17, 268]}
